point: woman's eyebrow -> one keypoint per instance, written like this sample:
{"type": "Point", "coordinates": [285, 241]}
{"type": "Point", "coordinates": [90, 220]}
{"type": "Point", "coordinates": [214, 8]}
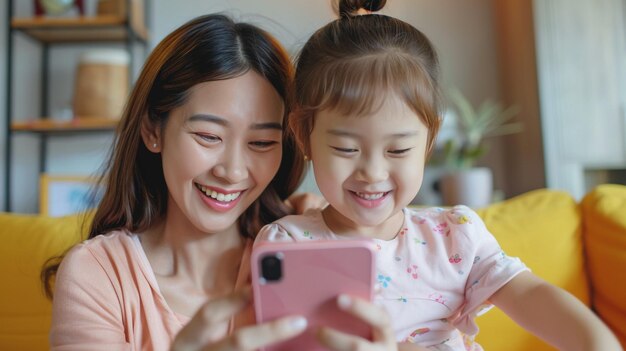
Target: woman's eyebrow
{"type": "Point", "coordinates": [209, 118]}
{"type": "Point", "coordinates": [224, 122]}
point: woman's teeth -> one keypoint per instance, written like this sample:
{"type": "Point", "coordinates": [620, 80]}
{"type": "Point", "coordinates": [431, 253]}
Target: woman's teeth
{"type": "Point", "coordinates": [370, 196]}
{"type": "Point", "coordinates": [219, 196]}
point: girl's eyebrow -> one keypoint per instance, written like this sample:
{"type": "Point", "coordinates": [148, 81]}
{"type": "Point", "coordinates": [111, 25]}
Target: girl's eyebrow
{"type": "Point", "coordinates": [224, 122]}
{"type": "Point", "coordinates": [343, 133]}
{"type": "Point", "coordinates": [349, 134]}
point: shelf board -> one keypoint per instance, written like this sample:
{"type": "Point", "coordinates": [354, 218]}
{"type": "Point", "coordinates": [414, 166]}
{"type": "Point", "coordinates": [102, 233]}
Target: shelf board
{"type": "Point", "coordinates": [47, 125]}
{"type": "Point", "coordinates": [76, 29]}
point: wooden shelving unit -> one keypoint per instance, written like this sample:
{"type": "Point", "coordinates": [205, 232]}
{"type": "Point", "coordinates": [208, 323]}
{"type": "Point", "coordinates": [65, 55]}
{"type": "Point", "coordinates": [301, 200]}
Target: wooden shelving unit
{"type": "Point", "coordinates": [129, 29]}
{"type": "Point", "coordinates": [79, 29]}
{"type": "Point", "coordinates": [47, 125]}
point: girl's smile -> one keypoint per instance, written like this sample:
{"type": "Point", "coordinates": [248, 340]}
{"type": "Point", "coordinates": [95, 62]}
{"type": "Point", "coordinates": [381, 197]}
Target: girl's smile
{"type": "Point", "coordinates": [370, 200]}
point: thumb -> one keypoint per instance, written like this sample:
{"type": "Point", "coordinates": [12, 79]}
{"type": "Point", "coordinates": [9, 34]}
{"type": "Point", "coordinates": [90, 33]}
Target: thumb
{"type": "Point", "coordinates": [211, 321]}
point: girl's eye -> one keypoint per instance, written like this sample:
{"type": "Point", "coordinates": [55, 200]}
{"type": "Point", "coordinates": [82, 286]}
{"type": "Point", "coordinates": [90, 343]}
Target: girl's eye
{"type": "Point", "coordinates": [344, 150]}
{"type": "Point", "coordinates": [399, 151]}
{"type": "Point", "coordinates": [263, 144]}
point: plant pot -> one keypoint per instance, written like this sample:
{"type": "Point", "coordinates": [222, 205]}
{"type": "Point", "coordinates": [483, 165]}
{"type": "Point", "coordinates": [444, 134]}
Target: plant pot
{"type": "Point", "coordinates": [471, 187]}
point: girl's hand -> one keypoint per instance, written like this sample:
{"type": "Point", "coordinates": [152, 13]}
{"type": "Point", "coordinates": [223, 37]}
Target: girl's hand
{"type": "Point", "coordinates": [377, 317]}
{"type": "Point", "coordinates": [212, 318]}
{"type": "Point", "coordinates": [553, 315]}
{"type": "Point", "coordinates": [301, 202]}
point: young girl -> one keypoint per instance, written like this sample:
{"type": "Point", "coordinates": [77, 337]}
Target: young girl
{"type": "Point", "coordinates": [366, 114]}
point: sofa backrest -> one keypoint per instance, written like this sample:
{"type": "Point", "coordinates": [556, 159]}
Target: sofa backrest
{"type": "Point", "coordinates": [604, 218]}
{"type": "Point", "coordinates": [26, 243]}
{"type": "Point", "coordinates": [544, 229]}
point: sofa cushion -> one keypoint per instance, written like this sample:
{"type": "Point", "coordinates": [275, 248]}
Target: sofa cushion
{"type": "Point", "coordinates": [27, 242]}
{"type": "Point", "coordinates": [604, 214]}
{"type": "Point", "coordinates": [544, 229]}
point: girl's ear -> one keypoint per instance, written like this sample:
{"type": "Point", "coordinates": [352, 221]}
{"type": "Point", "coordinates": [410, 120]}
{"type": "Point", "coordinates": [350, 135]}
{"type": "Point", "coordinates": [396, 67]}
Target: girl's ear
{"type": "Point", "coordinates": [151, 135]}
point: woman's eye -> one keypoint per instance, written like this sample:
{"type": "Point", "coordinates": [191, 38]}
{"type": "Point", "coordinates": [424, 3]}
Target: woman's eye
{"type": "Point", "coordinates": [210, 138]}
{"type": "Point", "coordinates": [344, 150]}
{"type": "Point", "coordinates": [399, 151]}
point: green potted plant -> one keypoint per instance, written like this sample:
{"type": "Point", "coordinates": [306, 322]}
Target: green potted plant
{"type": "Point", "coordinates": [473, 126]}
{"type": "Point", "coordinates": [463, 182]}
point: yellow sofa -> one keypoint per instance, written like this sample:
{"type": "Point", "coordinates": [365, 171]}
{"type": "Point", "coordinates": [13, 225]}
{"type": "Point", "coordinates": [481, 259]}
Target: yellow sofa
{"type": "Point", "coordinates": [578, 246]}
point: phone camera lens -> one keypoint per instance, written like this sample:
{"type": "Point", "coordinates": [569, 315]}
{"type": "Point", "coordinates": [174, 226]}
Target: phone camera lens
{"type": "Point", "coordinates": [271, 268]}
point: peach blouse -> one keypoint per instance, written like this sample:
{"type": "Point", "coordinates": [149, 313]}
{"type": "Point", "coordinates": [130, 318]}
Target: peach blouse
{"type": "Point", "coordinates": [107, 298]}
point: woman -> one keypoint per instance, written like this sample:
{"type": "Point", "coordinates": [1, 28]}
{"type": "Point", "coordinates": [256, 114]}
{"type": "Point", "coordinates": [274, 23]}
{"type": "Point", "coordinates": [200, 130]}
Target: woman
{"type": "Point", "coordinates": [201, 162]}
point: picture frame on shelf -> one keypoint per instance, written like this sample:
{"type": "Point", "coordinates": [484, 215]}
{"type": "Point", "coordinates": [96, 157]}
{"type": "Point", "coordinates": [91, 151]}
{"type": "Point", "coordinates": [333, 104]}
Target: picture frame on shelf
{"type": "Point", "coordinates": [66, 195]}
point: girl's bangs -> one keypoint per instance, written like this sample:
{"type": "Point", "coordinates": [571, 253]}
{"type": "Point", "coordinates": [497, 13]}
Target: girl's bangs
{"type": "Point", "coordinates": [360, 86]}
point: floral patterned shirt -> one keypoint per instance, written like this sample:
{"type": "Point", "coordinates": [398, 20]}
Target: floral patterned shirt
{"type": "Point", "coordinates": [435, 276]}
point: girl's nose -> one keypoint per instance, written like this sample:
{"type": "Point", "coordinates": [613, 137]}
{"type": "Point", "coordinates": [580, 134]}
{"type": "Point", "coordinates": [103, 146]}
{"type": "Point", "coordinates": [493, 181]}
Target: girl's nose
{"type": "Point", "coordinates": [373, 170]}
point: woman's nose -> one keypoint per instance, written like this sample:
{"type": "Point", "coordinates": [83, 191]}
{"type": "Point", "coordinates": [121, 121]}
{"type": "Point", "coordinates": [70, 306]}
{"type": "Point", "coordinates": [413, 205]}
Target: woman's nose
{"type": "Point", "coordinates": [233, 168]}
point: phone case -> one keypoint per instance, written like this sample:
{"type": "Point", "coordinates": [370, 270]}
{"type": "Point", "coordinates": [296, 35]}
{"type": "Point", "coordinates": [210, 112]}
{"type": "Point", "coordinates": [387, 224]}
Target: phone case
{"type": "Point", "coordinates": [313, 275]}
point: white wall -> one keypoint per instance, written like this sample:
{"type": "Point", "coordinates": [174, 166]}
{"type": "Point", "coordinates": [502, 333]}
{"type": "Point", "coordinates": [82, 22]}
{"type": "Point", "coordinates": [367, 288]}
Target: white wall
{"type": "Point", "coordinates": [462, 31]}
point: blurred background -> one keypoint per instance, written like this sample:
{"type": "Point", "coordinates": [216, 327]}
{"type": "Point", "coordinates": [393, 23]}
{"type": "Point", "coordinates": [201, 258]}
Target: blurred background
{"type": "Point", "coordinates": [559, 63]}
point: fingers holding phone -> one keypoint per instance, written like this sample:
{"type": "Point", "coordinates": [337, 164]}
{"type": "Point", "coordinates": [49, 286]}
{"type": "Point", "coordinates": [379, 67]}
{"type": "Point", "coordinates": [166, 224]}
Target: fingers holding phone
{"type": "Point", "coordinates": [261, 335]}
{"type": "Point", "coordinates": [205, 331]}
{"type": "Point", "coordinates": [382, 333]}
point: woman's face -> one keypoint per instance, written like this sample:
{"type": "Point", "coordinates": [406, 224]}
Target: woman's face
{"type": "Point", "coordinates": [221, 149]}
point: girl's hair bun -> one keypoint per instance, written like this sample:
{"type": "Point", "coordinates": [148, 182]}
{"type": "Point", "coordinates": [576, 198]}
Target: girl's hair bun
{"type": "Point", "coordinates": [349, 8]}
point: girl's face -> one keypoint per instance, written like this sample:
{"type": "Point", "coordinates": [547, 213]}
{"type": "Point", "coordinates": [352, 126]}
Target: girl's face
{"type": "Point", "coordinates": [368, 167]}
{"type": "Point", "coordinates": [221, 149]}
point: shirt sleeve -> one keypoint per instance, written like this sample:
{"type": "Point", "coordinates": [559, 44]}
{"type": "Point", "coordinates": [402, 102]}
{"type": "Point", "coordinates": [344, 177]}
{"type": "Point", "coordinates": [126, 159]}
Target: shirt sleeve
{"type": "Point", "coordinates": [273, 232]}
{"type": "Point", "coordinates": [491, 268]}
{"type": "Point", "coordinates": [86, 312]}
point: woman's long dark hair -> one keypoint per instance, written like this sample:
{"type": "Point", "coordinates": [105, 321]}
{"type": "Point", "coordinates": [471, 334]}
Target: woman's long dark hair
{"type": "Point", "coordinates": [207, 48]}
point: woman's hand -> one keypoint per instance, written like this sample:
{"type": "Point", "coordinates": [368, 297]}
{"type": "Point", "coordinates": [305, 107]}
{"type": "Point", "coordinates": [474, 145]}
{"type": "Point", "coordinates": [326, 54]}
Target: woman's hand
{"type": "Point", "coordinates": [383, 337]}
{"type": "Point", "coordinates": [301, 202]}
{"type": "Point", "coordinates": [205, 330]}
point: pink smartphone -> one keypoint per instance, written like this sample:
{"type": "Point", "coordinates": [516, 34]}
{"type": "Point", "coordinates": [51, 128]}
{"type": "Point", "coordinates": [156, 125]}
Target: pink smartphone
{"type": "Point", "coordinates": [305, 279]}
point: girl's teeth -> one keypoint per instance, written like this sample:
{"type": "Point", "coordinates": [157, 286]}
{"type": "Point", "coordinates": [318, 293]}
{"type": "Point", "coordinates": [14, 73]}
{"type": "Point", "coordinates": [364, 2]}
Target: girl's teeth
{"type": "Point", "coordinates": [370, 196]}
